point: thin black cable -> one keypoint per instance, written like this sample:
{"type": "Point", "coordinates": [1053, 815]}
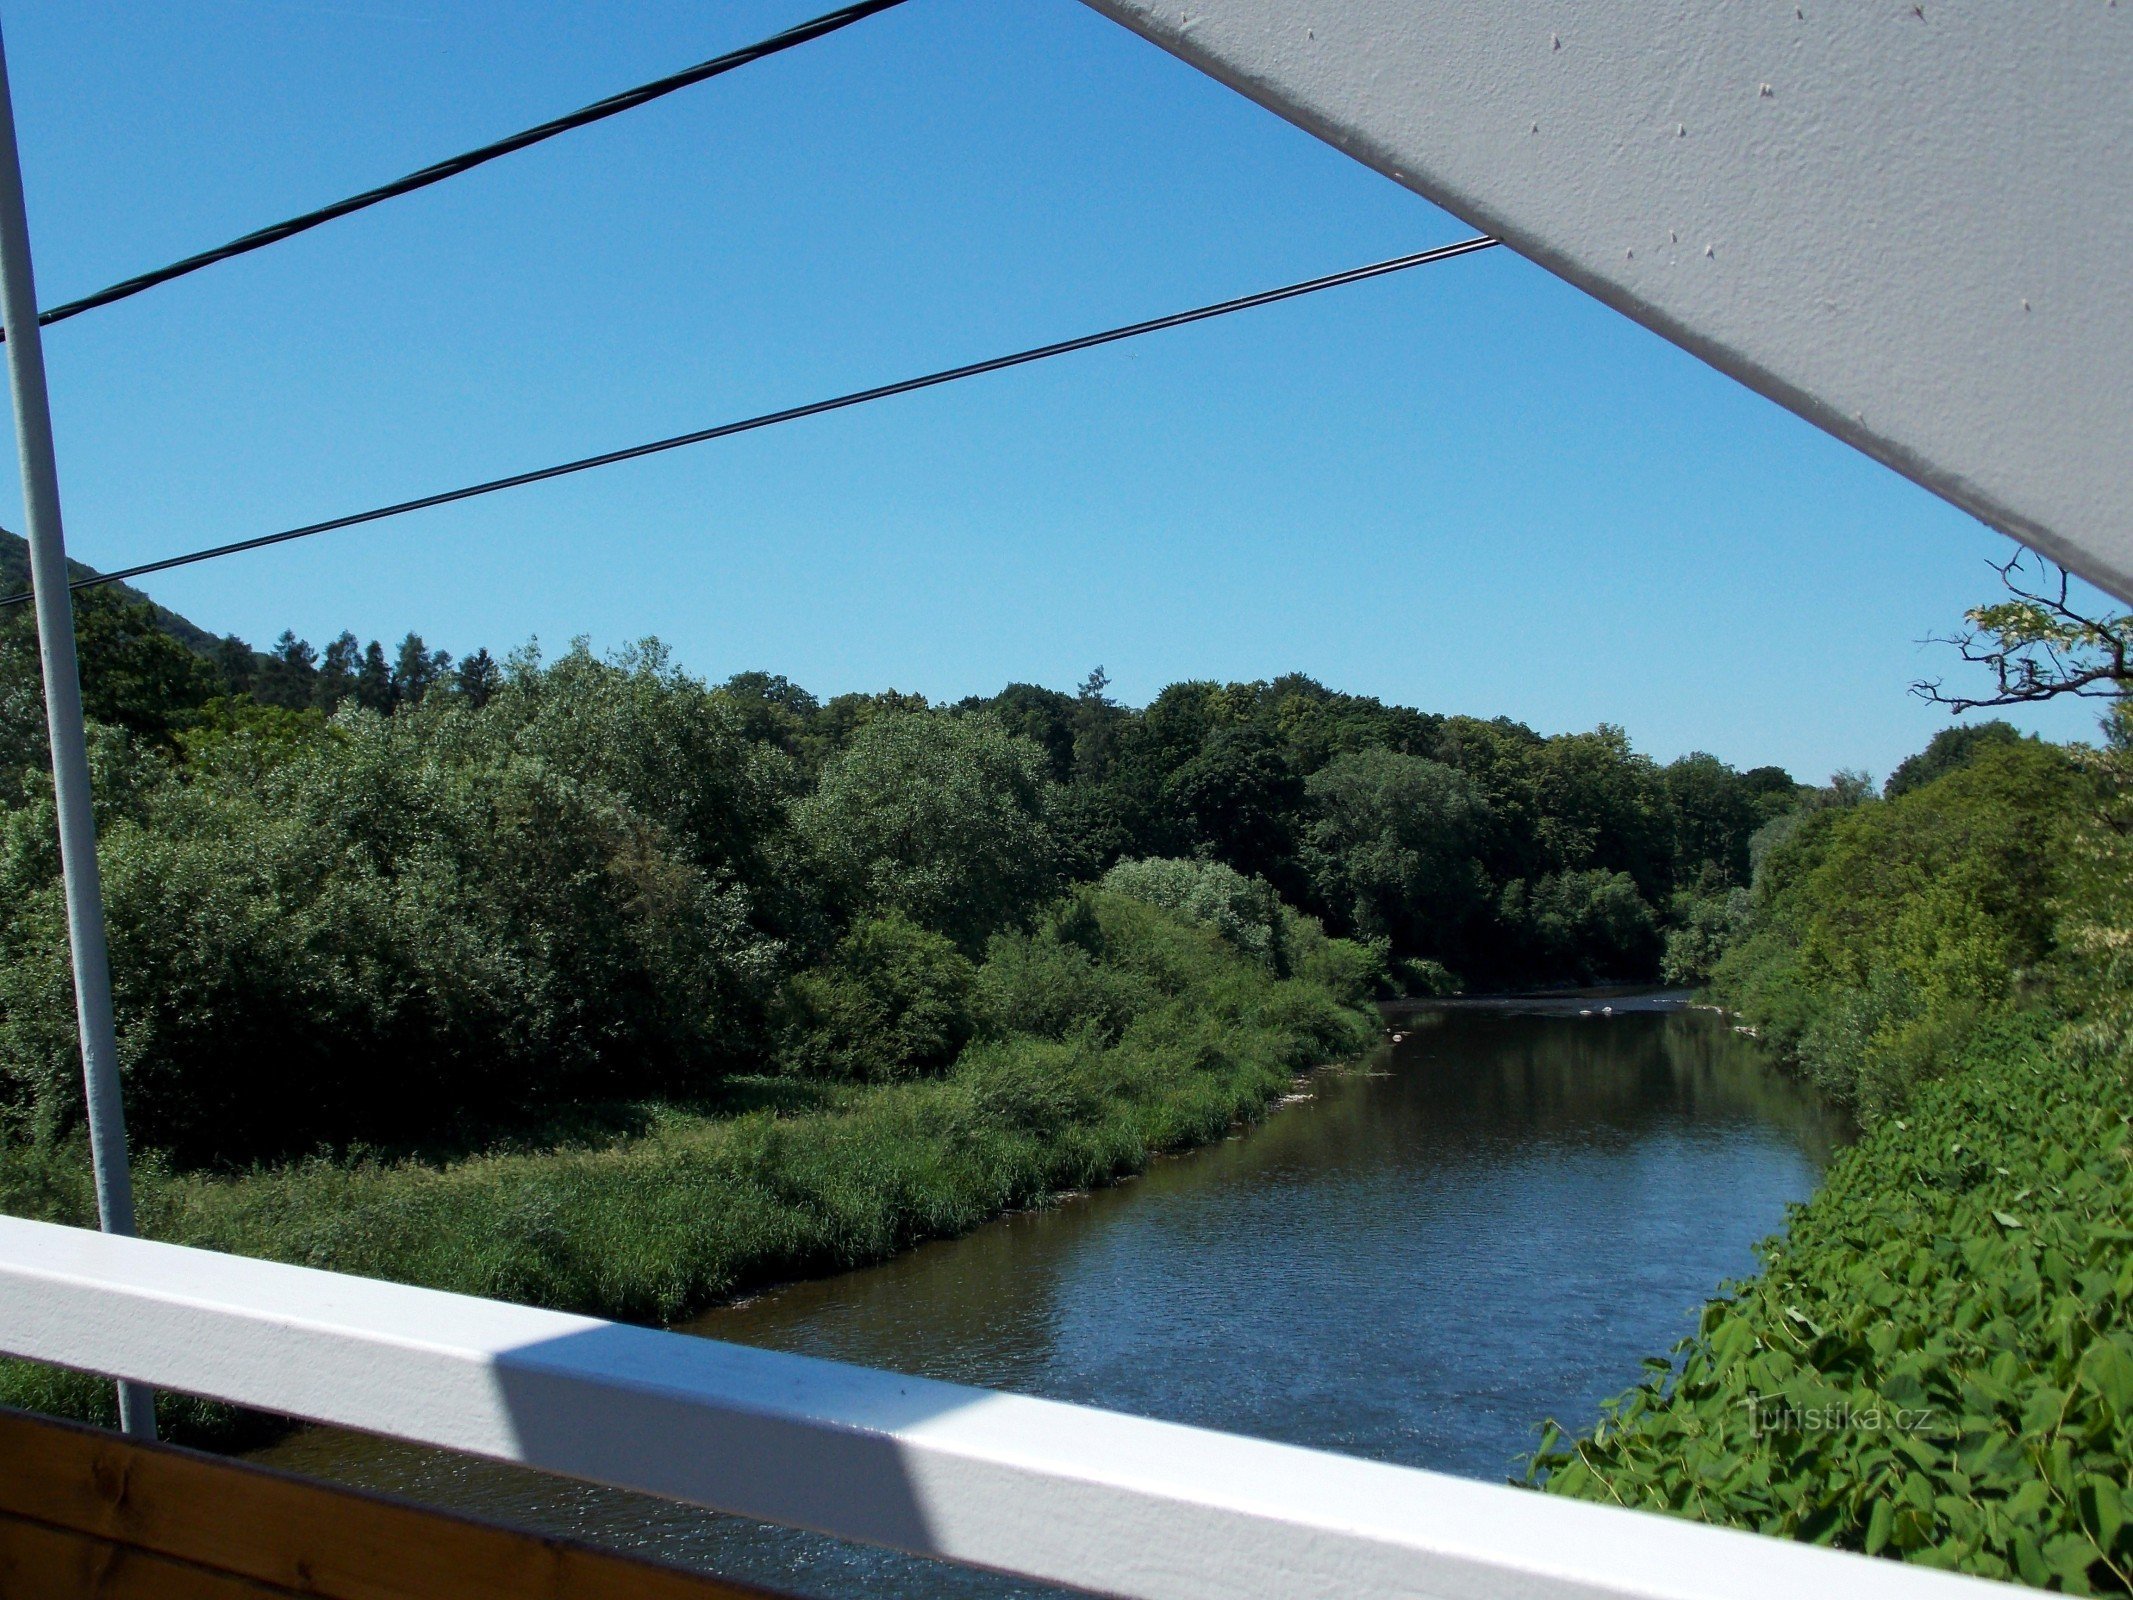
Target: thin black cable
{"type": "Point", "coordinates": [1131, 330]}
{"type": "Point", "coordinates": [599, 110]}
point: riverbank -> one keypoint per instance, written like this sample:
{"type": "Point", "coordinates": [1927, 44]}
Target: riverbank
{"type": "Point", "coordinates": [1594, 1000]}
{"type": "Point", "coordinates": [1937, 1359]}
{"type": "Point", "coordinates": [1936, 1362]}
{"type": "Point", "coordinates": [696, 1207]}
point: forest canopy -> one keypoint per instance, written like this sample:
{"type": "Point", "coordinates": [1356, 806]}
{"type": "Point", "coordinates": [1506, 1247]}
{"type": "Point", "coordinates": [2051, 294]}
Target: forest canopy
{"type": "Point", "coordinates": [443, 894]}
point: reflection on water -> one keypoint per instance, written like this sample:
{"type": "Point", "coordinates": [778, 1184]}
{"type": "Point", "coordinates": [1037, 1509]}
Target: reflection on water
{"type": "Point", "coordinates": [1494, 1223]}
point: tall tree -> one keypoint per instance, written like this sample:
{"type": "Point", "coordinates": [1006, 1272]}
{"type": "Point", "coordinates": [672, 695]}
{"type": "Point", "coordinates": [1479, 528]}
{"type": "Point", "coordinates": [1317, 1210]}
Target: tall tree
{"type": "Point", "coordinates": [477, 678]}
{"type": "Point", "coordinates": [416, 670]}
{"type": "Point", "coordinates": [1390, 850]}
{"type": "Point", "coordinates": [1600, 806]}
{"type": "Point", "coordinates": [288, 675]}
{"type": "Point", "coordinates": [1715, 815]}
{"type": "Point", "coordinates": [374, 681]}
{"type": "Point", "coordinates": [944, 819]}
{"type": "Point", "coordinates": [337, 670]}
{"type": "Point", "coordinates": [1043, 716]}
{"type": "Point", "coordinates": [238, 663]}
{"type": "Point", "coordinates": [1236, 799]}
{"type": "Point", "coordinates": [1096, 723]}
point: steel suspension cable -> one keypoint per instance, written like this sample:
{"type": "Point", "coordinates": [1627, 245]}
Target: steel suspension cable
{"type": "Point", "coordinates": [816, 408]}
{"type": "Point", "coordinates": [453, 166]}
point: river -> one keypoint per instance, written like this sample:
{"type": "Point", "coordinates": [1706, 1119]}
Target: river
{"type": "Point", "coordinates": [1417, 1260]}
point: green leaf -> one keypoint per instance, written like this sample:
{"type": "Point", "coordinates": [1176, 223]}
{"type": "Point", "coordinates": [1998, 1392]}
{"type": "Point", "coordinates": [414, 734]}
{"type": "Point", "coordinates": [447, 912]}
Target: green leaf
{"type": "Point", "coordinates": [2029, 1560]}
{"type": "Point", "coordinates": [2070, 1555]}
{"type": "Point", "coordinates": [1878, 1523]}
{"type": "Point", "coordinates": [2032, 1497]}
{"type": "Point", "coordinates": [2102, 1507]}
{"type": "Point", "coordinates": [2108, 1369]}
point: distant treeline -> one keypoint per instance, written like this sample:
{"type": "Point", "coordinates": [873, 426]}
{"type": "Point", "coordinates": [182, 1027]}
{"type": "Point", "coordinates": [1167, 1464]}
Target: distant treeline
{"type": "Point", "coordinates": [1477, 847]}
{"type": "Point", "coordinates": [1480, 845]}
{"type": "Point", "coordinates": [435, 892]}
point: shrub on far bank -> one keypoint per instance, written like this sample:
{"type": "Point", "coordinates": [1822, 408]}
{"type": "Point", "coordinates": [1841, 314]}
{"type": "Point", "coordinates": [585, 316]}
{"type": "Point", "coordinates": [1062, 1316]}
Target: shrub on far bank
{"type": "Point", "coordinates": [1113, 1030]}
{"type": "Point", "coordinates": [1705, 928]}
{"type": "Point", "coordinates": [1245, 911]}
{"type": "Point", "coordinates": [376, 928]}
{"type": "Point", "coordinates": [893, 1001]}
{"type": "Point", "coordinates": [1593, 925]}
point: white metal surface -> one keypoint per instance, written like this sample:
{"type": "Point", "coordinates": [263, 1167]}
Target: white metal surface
{"type": "Point", "coordinates": [1910, 223]}
{"type": "Point", "coordinates": [1061, 1493]}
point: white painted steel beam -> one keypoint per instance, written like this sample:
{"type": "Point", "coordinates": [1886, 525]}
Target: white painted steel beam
{"type": "Point", "coordinates": [1060, 1493]}
{"type": "Point", "coordinates": [1910, 223]}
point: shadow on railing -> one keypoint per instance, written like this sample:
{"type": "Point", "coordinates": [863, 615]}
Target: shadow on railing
{"type": "Point", "coordinates": [1062, 1494]}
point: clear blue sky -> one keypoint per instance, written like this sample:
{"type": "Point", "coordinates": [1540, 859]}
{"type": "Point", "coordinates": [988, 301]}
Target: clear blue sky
{"type": "Point", "coordinates": [1470, 489]}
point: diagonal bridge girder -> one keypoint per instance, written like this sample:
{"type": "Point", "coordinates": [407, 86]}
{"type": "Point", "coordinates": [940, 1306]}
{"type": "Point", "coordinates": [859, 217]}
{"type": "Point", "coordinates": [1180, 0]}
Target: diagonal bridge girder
{"type": "Point", "coordinates": [1910, 224]}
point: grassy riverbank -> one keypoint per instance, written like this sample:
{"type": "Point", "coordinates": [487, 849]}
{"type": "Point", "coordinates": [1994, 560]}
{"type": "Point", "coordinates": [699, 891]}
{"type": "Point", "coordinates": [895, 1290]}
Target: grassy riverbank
{"type": "Point", "coordinates": [1173, 1036]}
{"type": "Point", "coordinates": [1936, 1362]}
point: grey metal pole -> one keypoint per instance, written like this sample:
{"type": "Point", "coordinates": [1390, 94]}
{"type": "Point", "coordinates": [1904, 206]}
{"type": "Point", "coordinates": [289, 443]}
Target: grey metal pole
{"type": "Point", "coordinates": [62, 702]}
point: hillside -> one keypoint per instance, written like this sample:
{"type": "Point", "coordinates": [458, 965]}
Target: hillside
{"type": "Point", "coordinates": [15, 578]}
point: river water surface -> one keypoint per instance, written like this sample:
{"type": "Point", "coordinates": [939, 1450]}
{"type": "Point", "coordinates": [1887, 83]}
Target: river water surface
{"type": "Point", "coordinates": [1491, 1223]}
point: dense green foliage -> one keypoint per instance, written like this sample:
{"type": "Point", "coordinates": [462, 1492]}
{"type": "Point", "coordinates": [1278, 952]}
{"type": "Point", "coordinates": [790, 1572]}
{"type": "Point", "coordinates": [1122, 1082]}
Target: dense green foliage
{"type": "Point", "coordinates": [375, 927]}
{"type": "Point", "coordinates": [1243, 910]}
{"type": "Point", "coordinates": [1884, 929]}
{"type": "Point", "coordinates": [1936, 1362]}
{"type": "Point", "coordinates": [1948, 749]}
{"type": "Point", "coordinates": [946, 820]}
{"type": "Point", "coordinates": [360, 896]}
{"type": "Point", "coordinates": [1474, 846]}
{"type": "Point", "coordinates": [892, 1001]}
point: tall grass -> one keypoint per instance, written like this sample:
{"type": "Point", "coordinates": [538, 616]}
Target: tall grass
{"type": "Point", "coordinates": [694, 1207]}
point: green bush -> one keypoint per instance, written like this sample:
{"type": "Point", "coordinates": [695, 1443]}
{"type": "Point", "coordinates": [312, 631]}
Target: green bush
{"type": "Point", "coordinates": [1936, 1362]}
{"type": "Point", "coordinates": [1053, 981]}
{"type": "Point", "coordinates": [1705, 928]}
{"type": "Point", "coordinates": [377, 928]}
{"type": "Point", "coordinates": [1416, 979]}
{"type": "Point", "coordinates": [946, 820]}
{"type": "Point", "coordinates": [894, 1002]}
{"type": "Point", "coordinates": [653, 1222]}
{"type": "Point", "coordinates": [1245, 911]}
{"type": "Point", "coordinates": [1589, 925]}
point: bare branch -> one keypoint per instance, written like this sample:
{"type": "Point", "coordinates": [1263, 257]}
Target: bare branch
{"type": "Point", "coordinates": [2038, 645]}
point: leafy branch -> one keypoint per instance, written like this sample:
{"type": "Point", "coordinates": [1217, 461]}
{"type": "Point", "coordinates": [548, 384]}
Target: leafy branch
{"type": "Point", "coordinates": [2038, 643]}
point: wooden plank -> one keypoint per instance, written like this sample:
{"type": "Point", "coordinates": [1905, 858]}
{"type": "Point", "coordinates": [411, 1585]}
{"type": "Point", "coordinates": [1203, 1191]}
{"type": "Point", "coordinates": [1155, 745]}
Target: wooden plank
{"type": "Point", "coordinates": [287, 1533]}
{"type": "Point", "coordinates": [41, 1563]}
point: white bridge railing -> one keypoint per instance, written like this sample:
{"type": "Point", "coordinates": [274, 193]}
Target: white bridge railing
{"type": "Point", "coordinates": [1060, 1493]}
